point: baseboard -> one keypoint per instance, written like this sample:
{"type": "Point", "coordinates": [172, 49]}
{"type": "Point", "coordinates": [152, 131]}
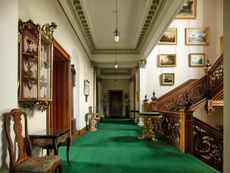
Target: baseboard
{"type": "Point", "coordinates": [80, 132]}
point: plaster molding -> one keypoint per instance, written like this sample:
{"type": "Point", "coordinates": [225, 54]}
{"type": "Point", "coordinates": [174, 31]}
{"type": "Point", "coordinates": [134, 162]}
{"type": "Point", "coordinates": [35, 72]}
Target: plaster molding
{"type": "Point", "coordinates": [82, 20]}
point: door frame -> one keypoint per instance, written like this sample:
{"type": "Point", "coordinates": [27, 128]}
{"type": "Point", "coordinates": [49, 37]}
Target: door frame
{"type": "Point", "coordinates": [121, 107]}
{"type": "Point", "coordinates": [59, 50]}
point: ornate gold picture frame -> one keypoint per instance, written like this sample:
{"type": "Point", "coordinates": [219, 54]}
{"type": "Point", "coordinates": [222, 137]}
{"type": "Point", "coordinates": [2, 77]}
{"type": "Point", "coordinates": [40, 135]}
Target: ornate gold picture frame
{"type": "Point", "coordinates": [167, 78]}
{"type": "Point", "coordinates": [197, 36]}
{"type": "Point", "coordinates": [188, 10]}
{"type": "Point", "coordinates": [196, 60]}
{"type": "Point", "coordinates": [167, 60]}
{"type": "Point", "coordinates": [169, 37]}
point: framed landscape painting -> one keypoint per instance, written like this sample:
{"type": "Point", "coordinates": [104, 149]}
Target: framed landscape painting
{"type": "Point", "coordinates": [197, 36]}
{"type": "Point", "coordinates": [169, 37]}
{"type": "Point", "coordinates": [167, 78]}
{"type": "Point", "coordinates": [188, 10]}
{"type": "Point", "coordinates": [167, 60]}
{"type": "Point", "coordinates": [197, 60]}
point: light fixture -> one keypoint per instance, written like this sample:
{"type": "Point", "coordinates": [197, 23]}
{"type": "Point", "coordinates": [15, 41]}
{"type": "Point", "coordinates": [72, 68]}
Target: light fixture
{"type": "Point", "coordinates": [116, 64]}
{"type": "Point", "coordinates": [116, 33]}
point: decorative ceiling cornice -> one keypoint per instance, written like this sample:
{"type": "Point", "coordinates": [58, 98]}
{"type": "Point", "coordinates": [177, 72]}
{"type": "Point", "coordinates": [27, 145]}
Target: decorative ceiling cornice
{"type": "Point", "coordinates": [82, 19]}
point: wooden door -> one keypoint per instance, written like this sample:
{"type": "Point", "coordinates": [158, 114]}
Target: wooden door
{"type": "Point", "coordinates": [60, 110]}
{"type": "Point", "coordinates": [115, 103]}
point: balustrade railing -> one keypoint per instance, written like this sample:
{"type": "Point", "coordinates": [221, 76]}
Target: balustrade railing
{"type": "Point", "coordinates": [215, 77]}
{"type": "Point", "coordinates": [208, 144]}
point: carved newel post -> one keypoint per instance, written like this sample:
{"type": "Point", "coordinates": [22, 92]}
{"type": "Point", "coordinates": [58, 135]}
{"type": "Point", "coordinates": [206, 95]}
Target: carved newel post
{"type": "Point", "coordinates": [154, 102]}
{"type": "Point", "coordinates": [208, 65]}
{"type": "Point", "coordinates": [145, 104]}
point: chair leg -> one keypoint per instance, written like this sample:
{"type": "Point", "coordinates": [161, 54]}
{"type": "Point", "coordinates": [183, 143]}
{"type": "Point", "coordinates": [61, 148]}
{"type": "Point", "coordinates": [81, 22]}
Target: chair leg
{"type": "Point", "coordinates": [59, 169]}
{"type": "Point", "coordinates": [67, 150]}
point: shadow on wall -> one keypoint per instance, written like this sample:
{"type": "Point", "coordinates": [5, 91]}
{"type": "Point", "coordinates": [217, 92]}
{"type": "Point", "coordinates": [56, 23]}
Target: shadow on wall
{"type": "Point", "coordinates": [4, 168]}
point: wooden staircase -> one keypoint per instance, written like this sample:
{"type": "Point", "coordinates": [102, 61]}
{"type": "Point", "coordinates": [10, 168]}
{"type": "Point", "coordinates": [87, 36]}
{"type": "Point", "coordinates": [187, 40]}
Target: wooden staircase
{"type": "Point", "coordinates": [181, 128]}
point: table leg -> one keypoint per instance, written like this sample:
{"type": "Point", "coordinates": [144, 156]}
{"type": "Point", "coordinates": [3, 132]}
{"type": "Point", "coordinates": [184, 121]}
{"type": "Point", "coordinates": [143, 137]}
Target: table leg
{"type": "Point", "coordinates": [55, 147]}
{"type": "Point", "coordinates": [148, 131]}
{"type": "Point", "coordinates": [67, 149]}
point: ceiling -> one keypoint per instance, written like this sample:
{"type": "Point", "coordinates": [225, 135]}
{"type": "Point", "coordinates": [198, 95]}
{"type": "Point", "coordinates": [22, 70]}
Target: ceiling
{"type": "Point", "coordinates": [140, 23]}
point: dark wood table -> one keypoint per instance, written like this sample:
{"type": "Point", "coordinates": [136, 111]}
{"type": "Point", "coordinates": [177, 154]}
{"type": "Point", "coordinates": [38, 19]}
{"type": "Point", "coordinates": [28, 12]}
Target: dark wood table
{"type": "Point", "coordinates": [52, 139]}
{"type": "Point", "coordinates": [150, 123]}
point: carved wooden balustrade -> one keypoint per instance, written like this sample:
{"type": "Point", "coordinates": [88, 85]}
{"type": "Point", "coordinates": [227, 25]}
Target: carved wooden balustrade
{"type": "Point", "coordinates": [179, 126]}
{"type": "Point", "coordinates": [181, 97]}
{"type": "Point", "coordinates": [215, 77]}
{"type": "Point", "coordinates": [208, 144]}
{"type": "Point", "coordinates": [172, 128]}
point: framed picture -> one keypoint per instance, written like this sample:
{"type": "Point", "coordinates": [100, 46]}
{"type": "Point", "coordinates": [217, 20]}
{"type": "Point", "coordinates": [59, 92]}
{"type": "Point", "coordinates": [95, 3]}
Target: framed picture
{"type": "Point", "coordinates": [188, 10]}
{"type": "Point", "coordinates": [197, 36]}
{"type": "Point", "coordinates": [167, 78]}
{"type": "Point", "coordinates": [169, 37]}
{"type": "Point", "coordinates": [167, 60]}
{"type": "Point", "coordinates": [197, 60]}
{"type": "Point", "coordinates": [86, 87]}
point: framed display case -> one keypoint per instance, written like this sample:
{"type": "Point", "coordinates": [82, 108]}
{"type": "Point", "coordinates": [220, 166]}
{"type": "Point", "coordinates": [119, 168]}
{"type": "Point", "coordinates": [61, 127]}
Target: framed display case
{"type": "Point", "coordinates": [35, 64]}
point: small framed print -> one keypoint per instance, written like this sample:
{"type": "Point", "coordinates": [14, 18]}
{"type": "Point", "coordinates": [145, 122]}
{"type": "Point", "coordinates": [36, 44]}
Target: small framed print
{"type": "Point", "coordinates": [197, 60]}
{"type": "Point", "coordinates": [167, 60]}
{"type": "Point", "coordinates": [167, 78]}
{"type": "Point", "coordinates": [197, 36]}
{"type": "Point", "coordinates": [188, 10]}
{"type": "Point", "coordinates": [169, 37]}
{"type": "Point", "coordinates": [86, 87]}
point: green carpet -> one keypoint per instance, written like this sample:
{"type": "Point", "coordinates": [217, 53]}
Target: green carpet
{"type": "Point", "coordinates": [114, 148]}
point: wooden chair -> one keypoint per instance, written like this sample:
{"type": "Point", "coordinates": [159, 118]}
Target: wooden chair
{"type": "Point", "coordinates": [25, 162]}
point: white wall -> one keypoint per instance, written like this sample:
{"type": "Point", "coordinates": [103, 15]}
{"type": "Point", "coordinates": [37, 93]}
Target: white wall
{"type": "Point", "coordinates": [209, 14]}
{"type": "Point", "coordinates": [8, 70]}
{"type": "Point", "coordinates": [42, 12]}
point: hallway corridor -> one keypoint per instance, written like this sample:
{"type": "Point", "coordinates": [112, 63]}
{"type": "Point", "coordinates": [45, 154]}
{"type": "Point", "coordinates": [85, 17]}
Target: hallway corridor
{"type": "Point", "coordinates": [114, 148]}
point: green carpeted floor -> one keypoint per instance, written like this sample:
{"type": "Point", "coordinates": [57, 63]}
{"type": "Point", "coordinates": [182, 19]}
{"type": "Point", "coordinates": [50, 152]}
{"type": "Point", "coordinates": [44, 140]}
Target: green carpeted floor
{"type": "Point", "coordinates": [114, 148]}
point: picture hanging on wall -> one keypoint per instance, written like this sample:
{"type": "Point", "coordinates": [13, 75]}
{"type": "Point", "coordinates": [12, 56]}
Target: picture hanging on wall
{"type": "Point", "coordinates": [188, 10]}
{"type": "Point", "coordinates": [167, 60]}
{"type": "Point", "coordinates": [169, 37]}
{"type": "Point", "coordinates": [167, 78]}
{"type": "Point", "coordinates": [197, 60]}
{"type": "Point", "coordinates": [86, 87]}
{"type": "Point", "coordinates": [197, 36]}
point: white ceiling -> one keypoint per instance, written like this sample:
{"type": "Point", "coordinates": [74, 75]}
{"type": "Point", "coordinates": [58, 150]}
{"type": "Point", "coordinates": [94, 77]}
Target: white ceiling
{"type": "Point", "coordinates": [140, 23]}
{"type": "Point", "coordinates": [102, 21]}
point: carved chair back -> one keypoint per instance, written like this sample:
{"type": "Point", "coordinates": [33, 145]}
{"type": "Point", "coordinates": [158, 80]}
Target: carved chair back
{"type": "Point", "coordinates": [23, 141]}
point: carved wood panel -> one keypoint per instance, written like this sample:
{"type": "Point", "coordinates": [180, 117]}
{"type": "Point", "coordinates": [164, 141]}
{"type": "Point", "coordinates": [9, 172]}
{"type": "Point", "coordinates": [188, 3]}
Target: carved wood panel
{"type": "Point", "coordinates": [208, 144]}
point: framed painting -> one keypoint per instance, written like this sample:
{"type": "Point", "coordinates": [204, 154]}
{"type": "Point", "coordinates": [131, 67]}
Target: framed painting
{"type": "Point", "coordinates": [188, 10]}
{"type": "Point", "coordinates": [169, 37]}
{"type": "Point", "coordinates": [167, 60]}
{"type": "Point", "coordinates": [86, 87]}
{"type": "Point", "coordinates": [197, 60]}
{"type": "Point", "coordinates": [167, 78]}
{"type": "Point", "coordinates": [197, 36]}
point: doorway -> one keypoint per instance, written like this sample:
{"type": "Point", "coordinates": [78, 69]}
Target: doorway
{"type": "Point", "coordinates": [115, 103]}
{"type": "Point", "coordinates": [59, 115]}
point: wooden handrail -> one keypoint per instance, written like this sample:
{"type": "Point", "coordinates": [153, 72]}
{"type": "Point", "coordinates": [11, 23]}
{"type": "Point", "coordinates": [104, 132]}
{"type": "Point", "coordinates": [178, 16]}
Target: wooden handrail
{"type": "Point", "coordinates": [185, 84]}
{"type": "Point", "coordinates": [191, 92]}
